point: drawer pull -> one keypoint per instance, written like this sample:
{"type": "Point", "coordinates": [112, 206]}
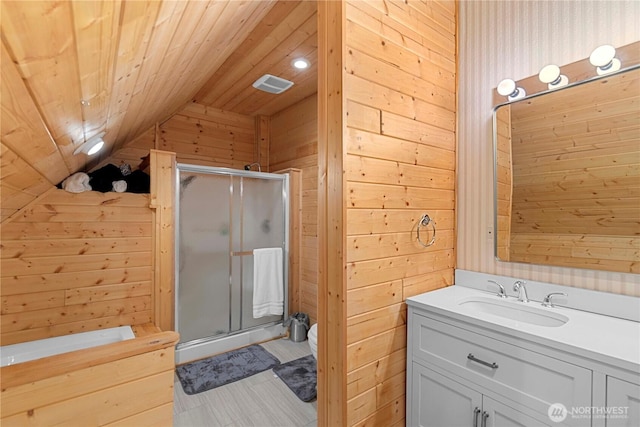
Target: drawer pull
{"type": "Point", "coordinates": [485, 415]}
{"type": "Point", "coordinates": [471, 357]}
{"type": "Point", "coordinates": [476, 412]}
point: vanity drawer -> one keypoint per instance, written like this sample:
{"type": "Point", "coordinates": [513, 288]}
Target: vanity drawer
{"type": "Point", "coordinates": [526, 377]}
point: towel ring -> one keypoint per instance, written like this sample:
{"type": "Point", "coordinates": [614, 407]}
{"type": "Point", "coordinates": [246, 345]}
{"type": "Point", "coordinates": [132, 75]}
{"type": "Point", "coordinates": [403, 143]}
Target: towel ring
{"type": "Point", "coordinates": [424, 222]}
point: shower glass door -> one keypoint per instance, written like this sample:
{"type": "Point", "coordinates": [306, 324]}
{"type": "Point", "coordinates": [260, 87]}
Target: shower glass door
{"type": "Point", "coordinates": [223, 215]}
{"type": "Point", "coordinates": [203, 303]}
{"type": "Point", "coordinates": [262, 227]}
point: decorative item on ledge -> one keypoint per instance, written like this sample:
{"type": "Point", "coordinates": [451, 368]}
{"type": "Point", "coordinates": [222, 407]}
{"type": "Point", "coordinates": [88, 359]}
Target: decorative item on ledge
{"type": "Point", "coordinates": [92, 146]}
{"type": "Point", "coordinates": [606, 59]}
{"type": "Point", "coordinates": [550, 75]}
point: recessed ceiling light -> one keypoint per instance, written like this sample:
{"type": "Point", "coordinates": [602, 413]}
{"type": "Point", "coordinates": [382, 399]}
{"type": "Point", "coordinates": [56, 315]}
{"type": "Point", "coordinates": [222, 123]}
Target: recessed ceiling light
{"type": "Point", "coordinates": [300, 63]}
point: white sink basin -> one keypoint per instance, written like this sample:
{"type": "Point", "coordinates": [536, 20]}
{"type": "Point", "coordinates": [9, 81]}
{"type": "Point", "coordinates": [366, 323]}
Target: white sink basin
{"type": "Point", "coordinates": [514, 310]}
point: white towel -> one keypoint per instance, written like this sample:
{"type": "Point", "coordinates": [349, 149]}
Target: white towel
{"type": "Point", "coordinates": [268, 282]}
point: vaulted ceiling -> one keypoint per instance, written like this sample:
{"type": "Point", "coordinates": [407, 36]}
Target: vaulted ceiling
{"type": "Point", "coordinates": [74, 69]}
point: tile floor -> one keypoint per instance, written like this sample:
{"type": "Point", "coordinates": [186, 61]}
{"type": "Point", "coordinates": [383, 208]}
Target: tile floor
{"type": "Point", "coordinates": [262, 400]}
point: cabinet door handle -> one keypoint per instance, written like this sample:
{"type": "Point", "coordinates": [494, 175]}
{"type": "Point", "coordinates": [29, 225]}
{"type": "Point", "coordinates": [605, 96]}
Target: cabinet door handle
{"type": "Point", "coordinates": [485, 415]}
{"type": "Point", "coordinates": [476, 412]}
{"type": "Point", "coordinates": [471, 357]}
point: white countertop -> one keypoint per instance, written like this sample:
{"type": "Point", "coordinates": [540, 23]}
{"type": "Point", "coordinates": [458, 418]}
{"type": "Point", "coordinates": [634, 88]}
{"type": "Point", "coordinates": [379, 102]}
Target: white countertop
{"type": "Point", "coordinates": [602, 338]}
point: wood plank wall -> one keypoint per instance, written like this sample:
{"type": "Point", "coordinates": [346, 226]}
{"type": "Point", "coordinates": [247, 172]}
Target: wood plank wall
{"type": "Point", "coordinates": [400, 90]}
{"type": "Point", "coordinates": [20, 183]}
{"type": "Point", "coordinates": [208, 136]}
{"type": "Point", "coordinates": [76, 262]}
{"type": "Point", "coordinates": [294, 144]}
{"type": "Point", "coordinates": [132, 152]}
{"type": "Point", "coordinates": [504, 181]}
{"type": "Point", "coordinates": [202, 135]}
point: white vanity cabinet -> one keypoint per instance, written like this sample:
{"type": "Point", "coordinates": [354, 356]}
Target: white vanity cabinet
{"type": "Point", "coordinates": [440, 401]}
{"type": "Point", "coordinates": [467, 372]}
{"type": "Point", "coordinates": [624, 396]}
{"type": "Point", "coordinates": [520, 384]}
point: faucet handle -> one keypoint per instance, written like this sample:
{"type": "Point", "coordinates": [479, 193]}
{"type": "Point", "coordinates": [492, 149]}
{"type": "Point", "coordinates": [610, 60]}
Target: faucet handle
{"type": "Point", "coordinates": [519, 287]}
{"type": "Point", "coordinates": [501, 293]}
{"type": "Point", "coordinates": [546, 302]}
{"type": "Point", "coordinates": [517, 284]}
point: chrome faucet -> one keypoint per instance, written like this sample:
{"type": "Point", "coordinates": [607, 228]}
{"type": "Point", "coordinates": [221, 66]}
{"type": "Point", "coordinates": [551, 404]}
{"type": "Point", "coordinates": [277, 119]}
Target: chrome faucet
{"type": "Point", "coordinates": [502, 293]}
{"type": "Point", "coordinates": [518, 287]}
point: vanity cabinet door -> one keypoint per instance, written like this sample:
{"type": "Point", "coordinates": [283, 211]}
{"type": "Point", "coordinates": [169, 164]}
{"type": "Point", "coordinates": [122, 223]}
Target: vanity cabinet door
{"type": "Point", "coordinates": [624, 396]}
{"type": "Point", "coordinates": [496, 414]}
{"type": "Point", "coordinates": [528, 377]}
{"type": "Point", "coordinates": [438, 401]}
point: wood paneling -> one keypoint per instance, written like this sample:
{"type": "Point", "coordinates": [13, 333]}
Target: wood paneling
{"type": "Point", "coordinates": [287, 32]}
{"type": "Point", "coordinates": [162, 198]}
{"type": "Point", "coordinates": [294, 144]}
{"type": "Point", "coordinates": [80, 388]}
{"type": "Point", "coordinates": [71, 70]}
{"type": "Point", "coordinates": [208, 136]}
{"type": "Point", "coordinates": [399, 163]}
{"type": "Point", "coordinates": [76, 262]}
{"type": "Point", "coordinates": [20, 183]}
{"type": "Point", "coordinates": [332, 355]}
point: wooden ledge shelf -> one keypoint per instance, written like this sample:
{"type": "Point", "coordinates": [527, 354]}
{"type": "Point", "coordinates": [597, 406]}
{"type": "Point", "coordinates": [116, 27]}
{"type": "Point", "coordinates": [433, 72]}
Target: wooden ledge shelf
{"type": "Point", "coordinates": [147, 340]}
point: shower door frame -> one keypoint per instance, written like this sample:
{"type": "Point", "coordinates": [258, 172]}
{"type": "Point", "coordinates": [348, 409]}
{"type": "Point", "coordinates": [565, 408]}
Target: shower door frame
{"type": "Point", "coordinates": [184, 167]}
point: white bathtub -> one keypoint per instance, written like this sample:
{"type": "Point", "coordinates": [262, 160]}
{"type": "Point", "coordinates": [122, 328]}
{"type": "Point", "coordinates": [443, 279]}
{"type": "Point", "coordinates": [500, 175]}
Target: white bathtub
{"type": "Point", "coordinates": [32, 350]}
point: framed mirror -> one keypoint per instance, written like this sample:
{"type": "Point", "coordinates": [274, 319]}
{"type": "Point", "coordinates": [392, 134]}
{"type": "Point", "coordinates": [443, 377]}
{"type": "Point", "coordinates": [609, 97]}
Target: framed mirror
{"type": "Point", "coordinates": [567, 176]}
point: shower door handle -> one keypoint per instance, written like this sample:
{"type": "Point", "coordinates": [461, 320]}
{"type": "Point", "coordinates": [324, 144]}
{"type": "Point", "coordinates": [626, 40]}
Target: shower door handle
{"type": "Point", "coordinates": [243, 253]}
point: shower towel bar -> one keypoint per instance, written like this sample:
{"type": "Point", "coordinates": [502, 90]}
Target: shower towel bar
{"type": "Point", "coordinates": [241, 253]}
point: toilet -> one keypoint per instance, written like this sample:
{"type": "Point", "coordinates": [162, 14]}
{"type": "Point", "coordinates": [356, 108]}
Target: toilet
{"type": "Point", "coordinates": [313, 340]}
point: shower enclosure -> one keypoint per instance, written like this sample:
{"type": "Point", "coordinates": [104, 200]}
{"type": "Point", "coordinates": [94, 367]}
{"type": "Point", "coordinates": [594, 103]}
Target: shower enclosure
{"type": "Point", "coordinates": [222, 216]}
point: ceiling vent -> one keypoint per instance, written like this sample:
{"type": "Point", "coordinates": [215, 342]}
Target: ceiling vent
{"type": "Point", "coordinates": [272, 84]}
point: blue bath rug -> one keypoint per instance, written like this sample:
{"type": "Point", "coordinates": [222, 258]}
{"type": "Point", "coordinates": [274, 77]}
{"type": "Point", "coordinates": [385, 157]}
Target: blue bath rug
{"type": "Point", "coordinates": [225, 368]}
{"type": "Point", "coordinates": [300, 376]}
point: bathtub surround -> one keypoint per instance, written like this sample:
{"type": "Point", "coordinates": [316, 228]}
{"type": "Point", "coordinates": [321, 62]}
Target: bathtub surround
{"type": "Point", "coordinates": [75, 263]}
{"type": "Point", "coordinates": [128, 382]}
{"type": "Point", "coordinates": [33, 350]}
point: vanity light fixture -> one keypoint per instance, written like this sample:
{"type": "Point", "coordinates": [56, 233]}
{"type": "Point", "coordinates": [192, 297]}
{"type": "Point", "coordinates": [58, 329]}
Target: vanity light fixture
{"type": "Point", "coordinates": [300, 63]}
{"type": "Point", "coordinates": [508, 88]}
{"type": "Point", "coordinates": [92, 146]}
{"type": "Point", "coordinates": [550, 75]}
{"type": "Point", "coordinates": [604, 59]}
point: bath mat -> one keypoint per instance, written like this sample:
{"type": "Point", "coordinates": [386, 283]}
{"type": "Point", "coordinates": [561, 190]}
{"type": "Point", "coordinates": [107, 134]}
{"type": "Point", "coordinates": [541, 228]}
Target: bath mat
{"type": "Point", "coordinates": [300, 376]}
{"type": "Point", "coordinates": [225, 368]}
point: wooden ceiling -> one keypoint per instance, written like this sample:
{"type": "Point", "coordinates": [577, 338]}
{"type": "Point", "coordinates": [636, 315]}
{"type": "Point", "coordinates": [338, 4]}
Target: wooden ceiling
{"type": "Point", "coordinates": [73, 69]}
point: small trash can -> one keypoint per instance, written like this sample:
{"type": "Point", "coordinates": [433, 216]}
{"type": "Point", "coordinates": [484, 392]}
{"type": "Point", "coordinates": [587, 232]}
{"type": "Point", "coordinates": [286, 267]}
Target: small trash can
{"type": "Point", "coordinates": [298, 326]}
